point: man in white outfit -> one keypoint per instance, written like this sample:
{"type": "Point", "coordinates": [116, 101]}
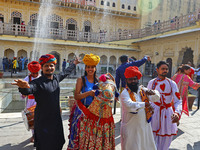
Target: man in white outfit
{"type": "Point", "coordinates": [164, 120]}
{"type": "Point", "coordinates": [34, 68]}
{"type": "Point", "coordinates": [136, 131]}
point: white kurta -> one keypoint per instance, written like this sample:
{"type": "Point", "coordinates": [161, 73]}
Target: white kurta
{"type": "Point", "coordinates": [136, 133]}
{"type": "Point", "coordinates": [161, 122]}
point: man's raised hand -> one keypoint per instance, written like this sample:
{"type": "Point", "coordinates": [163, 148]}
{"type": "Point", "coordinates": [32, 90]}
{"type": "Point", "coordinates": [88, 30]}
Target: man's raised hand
{"type": "Point", "coordinates": [21, 83]}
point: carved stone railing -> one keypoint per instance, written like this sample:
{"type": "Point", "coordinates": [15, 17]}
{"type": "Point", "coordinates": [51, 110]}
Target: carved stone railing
{"type": "Point", "coordinates": [95, 37]}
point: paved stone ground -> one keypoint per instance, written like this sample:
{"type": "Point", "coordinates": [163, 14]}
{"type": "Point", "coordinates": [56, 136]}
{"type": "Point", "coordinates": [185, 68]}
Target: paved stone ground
{"type": "Point", "coordinates": [14, 136]}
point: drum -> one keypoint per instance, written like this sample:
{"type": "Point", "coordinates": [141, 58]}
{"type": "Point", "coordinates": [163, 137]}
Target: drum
{"type": "Point", "coordinates": [28, 117]}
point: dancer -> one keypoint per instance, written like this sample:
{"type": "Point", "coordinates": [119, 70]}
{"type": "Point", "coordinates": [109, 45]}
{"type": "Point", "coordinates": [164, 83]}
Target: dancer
{"type": "Point", "coordinates": [183, 81]}
{"type": "Point", "coordinates": [84, 85]}
{"type": "Point", "coordinates": [125, 64]}
{"type": "Point", "coordinates": [136, 131]}
{"type": "Point", "coordinates": [34, 68]}
{"type": "Point", "coordinates": [91, 120]}
{"type": "Point", "coordinates": [164, 120]}
{"type": "Point", "coordinates": [48, 128]}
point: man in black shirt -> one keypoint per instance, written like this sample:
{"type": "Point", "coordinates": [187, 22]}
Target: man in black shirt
{"type": "Point", "coordinates": [48, 126]}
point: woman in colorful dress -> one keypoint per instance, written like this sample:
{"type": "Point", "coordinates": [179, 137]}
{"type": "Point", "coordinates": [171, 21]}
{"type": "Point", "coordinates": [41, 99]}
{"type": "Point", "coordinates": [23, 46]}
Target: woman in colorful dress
{"type": "Point", "coordinates": [183, 81]}
{"type": "Point", "coordinates": [84, 85]}
{"type": "Point", "coordinates": [91, 120]}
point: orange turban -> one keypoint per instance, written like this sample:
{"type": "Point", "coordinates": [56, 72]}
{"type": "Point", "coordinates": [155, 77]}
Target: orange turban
{"type": "Point", "coordinates": [132, 71]}
{"type": "Point", "coordinates": [34, 66]}
{"type": "Point", "coordinates": [91, 60]}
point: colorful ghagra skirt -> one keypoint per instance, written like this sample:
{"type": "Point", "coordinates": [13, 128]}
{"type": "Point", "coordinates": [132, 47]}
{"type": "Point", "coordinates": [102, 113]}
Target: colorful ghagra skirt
{"type": "Point", "coordinates": [91, 128]}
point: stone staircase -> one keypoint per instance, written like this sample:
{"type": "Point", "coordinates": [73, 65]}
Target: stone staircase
{"type": "Point", "coordinates": [11, 101]}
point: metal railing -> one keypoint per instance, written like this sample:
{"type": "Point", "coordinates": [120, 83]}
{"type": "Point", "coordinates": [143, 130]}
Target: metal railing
{"type": "Point", "coordinates": [100, 37]}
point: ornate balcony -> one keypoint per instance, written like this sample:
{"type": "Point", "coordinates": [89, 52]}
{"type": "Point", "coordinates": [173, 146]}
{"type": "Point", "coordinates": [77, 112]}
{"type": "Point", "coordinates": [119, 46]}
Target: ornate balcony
{"type": "Point", "coordinates": [95, 37]}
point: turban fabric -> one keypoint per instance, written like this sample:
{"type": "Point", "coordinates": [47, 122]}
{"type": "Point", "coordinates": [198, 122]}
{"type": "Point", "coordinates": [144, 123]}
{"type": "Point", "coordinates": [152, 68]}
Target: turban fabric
{"type": "Point", "coordinates": [91, 60]}
{"type": "Point", "coordinates": [34, 66]}
{"type": "Point", "coordinates": [132, 71]}
{"type": "Point", "coordinates": [48, 58]}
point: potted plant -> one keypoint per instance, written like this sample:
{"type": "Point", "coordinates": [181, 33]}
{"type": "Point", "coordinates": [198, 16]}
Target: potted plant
{"type": "Point", "coordinates": [1, 74]}
{"type": "Point", "coordinates": [191, 99]}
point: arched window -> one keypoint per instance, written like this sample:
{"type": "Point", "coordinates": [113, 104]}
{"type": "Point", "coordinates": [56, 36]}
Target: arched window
{"type": "Point", "coordinates": [16, 17]}
{"type": "Point", "coordinates": [134, 8]}
{"type": "Point", "coordinates": [123, 6]}
{"type": "Point", "coordinates": [2, 18]}
{"type": "Point", "coordinates": [129, 7]}
{"type": "Point", "coordinates": [71, 24]}
{"type": "Point", "coordinates": [113, 5]}
{"type": "Point", "coordinates": [102, 2]}
{"type": "Point", "coordinates": [55, 21]}
{"type": "Point", "coordinates": [33, 19]}
{"type": "Point", "coordinates": [108, 3]}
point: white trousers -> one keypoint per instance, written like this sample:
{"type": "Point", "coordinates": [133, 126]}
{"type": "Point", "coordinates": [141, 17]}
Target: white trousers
{"type": "Point", "coordinates": [162, 143]}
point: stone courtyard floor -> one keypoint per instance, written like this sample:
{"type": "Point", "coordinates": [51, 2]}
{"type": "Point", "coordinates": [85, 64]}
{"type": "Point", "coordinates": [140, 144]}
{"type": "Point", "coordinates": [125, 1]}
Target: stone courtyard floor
{"type": "Point", "coordinates": [14, 136]}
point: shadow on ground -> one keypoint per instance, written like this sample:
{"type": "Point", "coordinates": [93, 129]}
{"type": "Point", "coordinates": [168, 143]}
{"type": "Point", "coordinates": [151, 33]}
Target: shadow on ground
{"type": "Point", "coordinates": [194, 147]}
{"type": "Point", "coordinates": [25, 145]}
{"type": "Point", "coordinates": [180, 132]}
{"type": "Point", "coordinates": [117, 133]}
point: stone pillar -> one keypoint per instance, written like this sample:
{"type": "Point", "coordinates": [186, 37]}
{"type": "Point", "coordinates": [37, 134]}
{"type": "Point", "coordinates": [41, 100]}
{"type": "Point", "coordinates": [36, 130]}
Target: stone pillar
{"type": "Point", "coordinates": [196, 52]}
{"type": "Point", "coordinates": [108, 64]}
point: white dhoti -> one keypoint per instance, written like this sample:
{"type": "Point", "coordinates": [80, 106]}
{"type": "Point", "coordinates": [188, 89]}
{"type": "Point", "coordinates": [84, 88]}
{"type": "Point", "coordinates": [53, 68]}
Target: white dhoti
{"type": "Point", "coordinates": [137, 133]}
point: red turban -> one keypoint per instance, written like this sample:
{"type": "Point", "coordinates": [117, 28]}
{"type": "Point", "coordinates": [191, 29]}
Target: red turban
{"type": "Point", "coordinates": [132, 71]}
{"type": "Point", "coordinates": [47, 59]}
{"type": "Point", "coordinates": [34, 66]}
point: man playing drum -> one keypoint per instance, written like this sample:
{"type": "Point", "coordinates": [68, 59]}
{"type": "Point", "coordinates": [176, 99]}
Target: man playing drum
{"type": "Point", "coordinates": [34, 68]}
{"type": "Point", "coordinates": [48, 127]}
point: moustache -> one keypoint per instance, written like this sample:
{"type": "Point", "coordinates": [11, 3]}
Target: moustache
{"type": "Point", "coordinates": [49, 70]}
{"type": "Point", "coordinates": [48, 75]}
{"type": "Point", "coordinates": [134, 83]}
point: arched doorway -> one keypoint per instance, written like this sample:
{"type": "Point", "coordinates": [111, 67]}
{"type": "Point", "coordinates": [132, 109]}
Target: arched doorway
{"type": "Point", "coordinates": [103, 64]}
{"type": "Point", "coordinates": [22, 53]}
{"type": "Point", "coordinates": [9, 53]}
{"type": "Point", "coordinates": [71, 56]}
{"type": "Point", "coordinates": [57, 55]}
{"type": "Point", "coordinates": [34, 57]}
{"type": "Point", "coordinates": [188, 56]}
{"type": "Point", "coordinates": [169, 61]}
{"type": "Point", "coordinates": [112, 65]}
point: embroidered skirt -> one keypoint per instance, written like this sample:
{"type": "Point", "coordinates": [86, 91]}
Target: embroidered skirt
{"type": "Point", "coordinates": [88, 130]}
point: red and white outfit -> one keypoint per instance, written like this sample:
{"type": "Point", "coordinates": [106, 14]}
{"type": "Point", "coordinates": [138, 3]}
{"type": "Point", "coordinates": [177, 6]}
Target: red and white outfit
{"type": "Point", "coordinates": [162, 125]}
{"type": "Point", "coordinates": [33, 67]}
{"type": "Point", "coordinates": [31, 99]}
